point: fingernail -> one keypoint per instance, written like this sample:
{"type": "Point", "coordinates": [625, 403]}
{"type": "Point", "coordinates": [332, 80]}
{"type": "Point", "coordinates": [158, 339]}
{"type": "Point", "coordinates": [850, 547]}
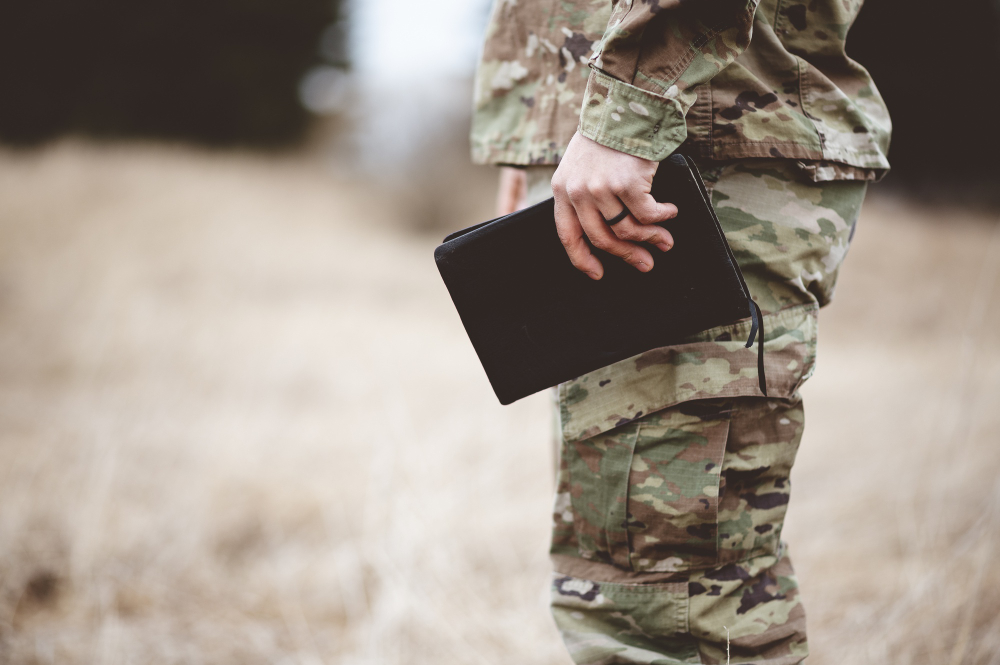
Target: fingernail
{"type": "Point", "coordinates": [593, 275]}
{"type": "Point", "coordinates": [664, 247]}
{"type": "Point", "coordinates": [641, 265]}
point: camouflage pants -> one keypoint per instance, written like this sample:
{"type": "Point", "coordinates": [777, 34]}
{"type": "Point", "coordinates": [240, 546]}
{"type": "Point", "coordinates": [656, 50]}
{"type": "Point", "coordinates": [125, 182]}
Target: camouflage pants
{"type": "Point", "coordinates": [673, 470]}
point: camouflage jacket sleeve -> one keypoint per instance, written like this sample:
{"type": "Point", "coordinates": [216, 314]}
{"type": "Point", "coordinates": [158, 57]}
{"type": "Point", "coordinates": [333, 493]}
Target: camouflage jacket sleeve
{"type": "Point", "coordinates": [652, 56]}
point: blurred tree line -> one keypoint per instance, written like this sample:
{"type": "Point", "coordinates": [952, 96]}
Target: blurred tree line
{"type": "Point", "coordinates": [937, 65]}
{"type": "Point", "coordinates": [227, 72]}
{"type": "Point", "coordinates": [220, 72]}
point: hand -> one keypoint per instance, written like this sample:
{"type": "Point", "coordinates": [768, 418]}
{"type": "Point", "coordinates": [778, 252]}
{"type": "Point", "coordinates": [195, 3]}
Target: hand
{"type": "Point", "coordinates": [513, 190]}
{"type": "Point", "coordinates": [592, 184]}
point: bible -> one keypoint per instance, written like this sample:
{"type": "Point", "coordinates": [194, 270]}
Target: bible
{"type": "Point", "coordinates": [536, 321]}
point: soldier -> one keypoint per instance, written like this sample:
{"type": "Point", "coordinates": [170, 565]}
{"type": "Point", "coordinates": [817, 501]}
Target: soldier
{"type": "Point", "coordinates": [673, 476]}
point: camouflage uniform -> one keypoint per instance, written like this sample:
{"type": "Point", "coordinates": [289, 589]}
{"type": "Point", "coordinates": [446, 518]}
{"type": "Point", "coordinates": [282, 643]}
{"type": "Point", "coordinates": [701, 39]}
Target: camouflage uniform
{"type": "Point", "coordinates": [667, 72]}
{"type": "Point", "coordinates": [674, 470]}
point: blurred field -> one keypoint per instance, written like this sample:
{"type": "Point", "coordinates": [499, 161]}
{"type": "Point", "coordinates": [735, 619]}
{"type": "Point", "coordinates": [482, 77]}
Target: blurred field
{"type": "Point", "coordinates": [240, 423]}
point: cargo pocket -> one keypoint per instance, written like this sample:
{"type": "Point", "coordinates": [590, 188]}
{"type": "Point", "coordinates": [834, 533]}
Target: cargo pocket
{"type": "Point", "coordinates": [602, 622]}
{"type": "Point", "coordinates": [644, 439]}
{"type": "Point", "coordinates": [597, 470]}
{"type": "Point", "coordinates": [644, 496]}
{"type": "Point", "coordinates": [673, 487]}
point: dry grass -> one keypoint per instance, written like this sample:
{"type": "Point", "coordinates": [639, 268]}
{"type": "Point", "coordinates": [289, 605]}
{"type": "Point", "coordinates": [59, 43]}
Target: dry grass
{"type": "Point", "coordinates": [240, 423]}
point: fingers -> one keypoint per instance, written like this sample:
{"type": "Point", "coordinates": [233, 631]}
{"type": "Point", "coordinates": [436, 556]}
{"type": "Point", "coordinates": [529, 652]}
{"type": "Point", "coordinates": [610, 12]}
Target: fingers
{"type": "Point", "coordinates": [628, 229]}
{"type": "Point", "coordinates": [659, 237]}
{"type": "Point", "coordinates": [589, 186]}
{"type": "Point", "coordinates": [586, 205]}
{"type": "Point", "coordinates": [644, 208]}
{"type": "Point", "coordinates": [571, 236]}
{"type": "Point", "coordinates": [512, 190]}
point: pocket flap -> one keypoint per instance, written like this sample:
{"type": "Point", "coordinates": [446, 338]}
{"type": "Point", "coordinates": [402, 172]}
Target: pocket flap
{"type": "Point", "coordinates": [713, 364]}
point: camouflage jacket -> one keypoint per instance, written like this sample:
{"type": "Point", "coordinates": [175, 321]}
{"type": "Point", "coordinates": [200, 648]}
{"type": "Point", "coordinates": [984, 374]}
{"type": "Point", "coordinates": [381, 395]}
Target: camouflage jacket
{"type": "Point", "coordinates": [729, 79]}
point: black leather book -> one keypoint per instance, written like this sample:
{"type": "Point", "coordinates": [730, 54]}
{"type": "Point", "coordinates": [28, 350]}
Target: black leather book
{"type": "Point", "coordinates": [536, 321]}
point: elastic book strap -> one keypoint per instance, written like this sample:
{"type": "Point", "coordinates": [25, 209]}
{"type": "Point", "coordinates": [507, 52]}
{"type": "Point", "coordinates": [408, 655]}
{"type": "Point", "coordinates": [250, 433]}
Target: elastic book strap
{"type": "Point", "coordinates": [757, 328]}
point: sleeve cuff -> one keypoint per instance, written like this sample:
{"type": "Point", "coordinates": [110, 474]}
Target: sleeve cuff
{"type": "Point", "coordinates": [630, 119]}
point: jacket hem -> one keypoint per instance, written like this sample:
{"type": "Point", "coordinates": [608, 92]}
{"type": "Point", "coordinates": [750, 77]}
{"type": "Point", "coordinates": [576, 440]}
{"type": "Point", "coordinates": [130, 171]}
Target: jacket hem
{"type": "Point", "coordinates": [812, 161]}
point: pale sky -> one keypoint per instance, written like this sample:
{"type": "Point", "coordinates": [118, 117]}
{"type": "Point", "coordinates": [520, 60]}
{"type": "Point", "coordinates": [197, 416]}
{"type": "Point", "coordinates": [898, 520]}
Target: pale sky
{"type": "Point", "coordinates": [392, 40]}
{"type": "Point", "coordinates": [411, 62]}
